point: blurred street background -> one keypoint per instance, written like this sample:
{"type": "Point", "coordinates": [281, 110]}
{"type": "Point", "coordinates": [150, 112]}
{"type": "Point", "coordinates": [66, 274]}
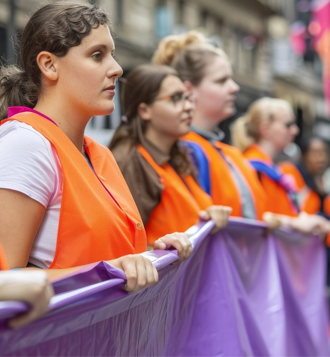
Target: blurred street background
{"type": "Point", "coordinates": [271, 44]}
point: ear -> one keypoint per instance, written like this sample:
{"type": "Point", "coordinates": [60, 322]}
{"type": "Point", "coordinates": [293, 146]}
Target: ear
{"type": "Point", "coordinates": [48, 66]}
{"type": "Point", "coordinates": [144, 111]}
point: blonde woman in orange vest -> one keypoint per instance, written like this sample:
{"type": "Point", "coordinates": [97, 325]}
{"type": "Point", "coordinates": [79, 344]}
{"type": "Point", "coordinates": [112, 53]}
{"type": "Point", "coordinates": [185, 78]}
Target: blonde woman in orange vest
{"type": "Point", "coordinates": [64, 202]}
{"type": "Point", "coordinates": [158, 110]}
{"type": "Point", "coordinates": [268, 127]}
{"type": "Point", "coordinates": [223, 171]}
{"type": "Point", "coordinates": [272, 125]}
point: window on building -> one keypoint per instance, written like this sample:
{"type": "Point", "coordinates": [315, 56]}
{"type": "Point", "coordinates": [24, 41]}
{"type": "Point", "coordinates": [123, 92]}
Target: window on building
{"type": "Point", "coordinates": [161, 3]}
{"type": "Point", "coordinates": [181, 5]}
{"type": "Point", "coordinates": [120, 11]}
{"type": "Point", "coordinates": [3, 44]}
{"type": "Point", "coordinates": [164, 18]}
{"type": "Point", "coordinates": [203, 19]}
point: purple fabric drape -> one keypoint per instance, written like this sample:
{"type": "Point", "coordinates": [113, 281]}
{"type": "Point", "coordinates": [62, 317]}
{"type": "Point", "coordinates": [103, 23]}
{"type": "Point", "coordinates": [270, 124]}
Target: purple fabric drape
{"type": "Point", "coordinates": [243, 292]}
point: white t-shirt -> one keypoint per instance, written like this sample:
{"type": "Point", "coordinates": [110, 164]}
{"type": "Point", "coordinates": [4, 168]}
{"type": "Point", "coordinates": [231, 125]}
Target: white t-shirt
{"type": "Point", "coordinates": [30, 164]}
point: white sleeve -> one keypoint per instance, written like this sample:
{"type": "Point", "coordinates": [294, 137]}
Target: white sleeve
{"type": "Point", "coordinates": [26, 162]}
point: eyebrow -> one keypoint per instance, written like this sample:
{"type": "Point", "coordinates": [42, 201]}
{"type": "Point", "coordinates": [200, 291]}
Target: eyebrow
{"type": "Point", "coordinates": [222, 78]}
{"type": "Point", "coordinates": [103, 47]}
{"type": "Point", "coordinates": [175, 93]}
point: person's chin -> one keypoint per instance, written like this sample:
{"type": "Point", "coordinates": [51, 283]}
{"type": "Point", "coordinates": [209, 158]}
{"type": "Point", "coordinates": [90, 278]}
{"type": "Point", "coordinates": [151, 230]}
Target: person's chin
{"type": "Point", "coordinates": [106, 109]}
{"type": "Point", "coordinates": [185, 130]}
{"type": "Point", "coordinates": [225, 115]}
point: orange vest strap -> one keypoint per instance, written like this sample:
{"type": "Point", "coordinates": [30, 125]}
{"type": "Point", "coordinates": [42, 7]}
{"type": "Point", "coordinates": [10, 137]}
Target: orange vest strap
{"type": "Point", "coordinates": [224, 189]}
{"type": "Point", "coordinates": [309, 200]}
{"type": "Point", "coordinates": [278, 200]}
{"type": "Point", "coordinates": [3, 261]}
{"type": "Point", "coordinates": [326, 205]}
{"type": "Point", "coordinates": [180, 203]}
{"type": "Point", "coordinates": [291, 169]}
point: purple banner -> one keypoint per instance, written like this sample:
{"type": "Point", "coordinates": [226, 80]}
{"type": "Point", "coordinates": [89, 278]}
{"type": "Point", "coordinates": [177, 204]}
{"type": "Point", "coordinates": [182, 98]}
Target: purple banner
{"type": "Point", "coordinates": [243, 292]}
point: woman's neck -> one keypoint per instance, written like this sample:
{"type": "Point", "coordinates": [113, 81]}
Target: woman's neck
{"type": "Point", "coordinates": [203, 123]}
{"type": "Point", "coordinates": [73, 125]}
{"type": "Point", "coordinates": [268, 148]}
{"type": "Point", "coordinates": [160, 140]}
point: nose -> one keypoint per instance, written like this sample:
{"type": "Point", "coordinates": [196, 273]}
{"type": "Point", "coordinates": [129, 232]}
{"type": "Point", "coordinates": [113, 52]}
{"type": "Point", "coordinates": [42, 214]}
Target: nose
{"type": "Point", "coordinates": [295, 130]}
{"type": "Point", "coordinates": [115, 69]}
{"type": "Point", "coordinates": [234, 87]}
{"type": "Point", "coordinates": [188, 104]}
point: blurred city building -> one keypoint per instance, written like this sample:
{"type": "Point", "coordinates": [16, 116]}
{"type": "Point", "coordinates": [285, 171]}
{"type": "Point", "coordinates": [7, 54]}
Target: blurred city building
{"type": "Point", "coordinates": [254, 33]}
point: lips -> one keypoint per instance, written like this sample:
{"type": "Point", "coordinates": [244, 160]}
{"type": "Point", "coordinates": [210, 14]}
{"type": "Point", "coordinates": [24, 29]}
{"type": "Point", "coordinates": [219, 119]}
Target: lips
{"type": "Point", "coordinates": [232, 100]}
{"type": "Point", "coordinates": [110, 90]}
{"type": "Point", "coordinates": [187, 120]}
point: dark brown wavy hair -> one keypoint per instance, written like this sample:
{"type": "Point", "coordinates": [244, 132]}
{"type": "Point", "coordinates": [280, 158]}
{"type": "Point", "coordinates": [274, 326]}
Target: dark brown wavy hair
{"type": "Point", "coordinates": [142, 85]}
{"type": "Point", "coordinates": [54, 28]}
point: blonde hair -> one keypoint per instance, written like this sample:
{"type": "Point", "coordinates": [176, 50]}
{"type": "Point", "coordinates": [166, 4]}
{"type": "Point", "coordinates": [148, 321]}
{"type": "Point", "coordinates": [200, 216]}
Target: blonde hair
{"type": "Point", "coordinates": [239, 137]}
{"type": "Point", "coordinates": [189, 54]}
{"type": "Point", "coordinates": [246, 130]}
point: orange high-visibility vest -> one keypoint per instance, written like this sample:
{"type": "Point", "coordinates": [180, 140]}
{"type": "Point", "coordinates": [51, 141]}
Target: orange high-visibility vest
{"type": "Point", "coordinates": [3, 261]}
{"type": "Point", "coordinates": [278, 200]}
{"type": "Point", "coordinates": [98, 218]}
{"type": "Point", "coordinates": [309, 200]}
{"type": "Point", "coordinates": [181, 200]}
{"type": "Point", "coordinates": [326, 205]}
{"type": "Point", "coordinates": [224, 189]}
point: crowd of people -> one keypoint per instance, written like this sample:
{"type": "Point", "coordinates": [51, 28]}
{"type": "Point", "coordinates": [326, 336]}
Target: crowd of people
{"type": "Point", "coordinates": [67, 201]}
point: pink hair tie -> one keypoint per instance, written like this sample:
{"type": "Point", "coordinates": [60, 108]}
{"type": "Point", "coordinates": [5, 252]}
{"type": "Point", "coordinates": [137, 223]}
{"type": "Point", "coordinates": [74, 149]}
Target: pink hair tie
{"type": "Point", "coordinates": [124, 118]}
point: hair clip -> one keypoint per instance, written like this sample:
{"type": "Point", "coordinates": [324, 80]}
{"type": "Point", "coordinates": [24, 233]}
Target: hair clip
{"type": "Point", "coordinates": [124, 118]}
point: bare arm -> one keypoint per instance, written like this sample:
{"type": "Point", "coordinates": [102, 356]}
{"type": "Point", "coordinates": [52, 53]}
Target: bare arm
{"type": "Point", "coordinates": [20, 219]}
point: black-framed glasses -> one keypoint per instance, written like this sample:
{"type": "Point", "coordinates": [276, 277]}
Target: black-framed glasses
{"type": "Point", "coordinates": [179, 97]}
{"type": "Point", "coordinates": [290, 124]}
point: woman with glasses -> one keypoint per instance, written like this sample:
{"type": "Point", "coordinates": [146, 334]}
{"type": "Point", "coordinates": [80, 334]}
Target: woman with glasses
{"type": "Point", "coordinates": [223, 171]}
{"type": "Point", "coordinates": [158, 111]}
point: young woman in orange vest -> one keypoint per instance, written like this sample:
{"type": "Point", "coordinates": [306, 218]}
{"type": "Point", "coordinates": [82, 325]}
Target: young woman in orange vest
{"type": "Point", "coordinates": [223, 171]}
{"type": "Point", "coordinates": [64, 202]}
{"type": "Point", "coordinates": [271, 124]}
{"type": "Point", "coordinates": [268, 127]}
{"type": "Point", "coordinates": [158, 110]}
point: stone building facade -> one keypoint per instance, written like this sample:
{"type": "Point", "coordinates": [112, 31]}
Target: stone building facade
{"type": "Point", "coordinates": [254, 33]}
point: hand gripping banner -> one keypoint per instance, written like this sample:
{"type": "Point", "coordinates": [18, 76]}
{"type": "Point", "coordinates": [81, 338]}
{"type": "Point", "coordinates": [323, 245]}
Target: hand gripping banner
{"type": "Point", "coordinates": [243, 292]}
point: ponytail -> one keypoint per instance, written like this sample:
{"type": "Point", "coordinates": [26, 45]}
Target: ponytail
{"type": "Point", "coordinates": [239, 134]}
{"type": "Point", "coordinates": [16, 89]}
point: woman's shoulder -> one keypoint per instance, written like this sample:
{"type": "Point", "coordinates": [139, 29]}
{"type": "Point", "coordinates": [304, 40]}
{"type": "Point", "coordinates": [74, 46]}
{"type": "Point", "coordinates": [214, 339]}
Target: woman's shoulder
{"type": "Point", "coordinates": [20, 135]}
{"type": "Point", "coordinates": [28, 162]}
